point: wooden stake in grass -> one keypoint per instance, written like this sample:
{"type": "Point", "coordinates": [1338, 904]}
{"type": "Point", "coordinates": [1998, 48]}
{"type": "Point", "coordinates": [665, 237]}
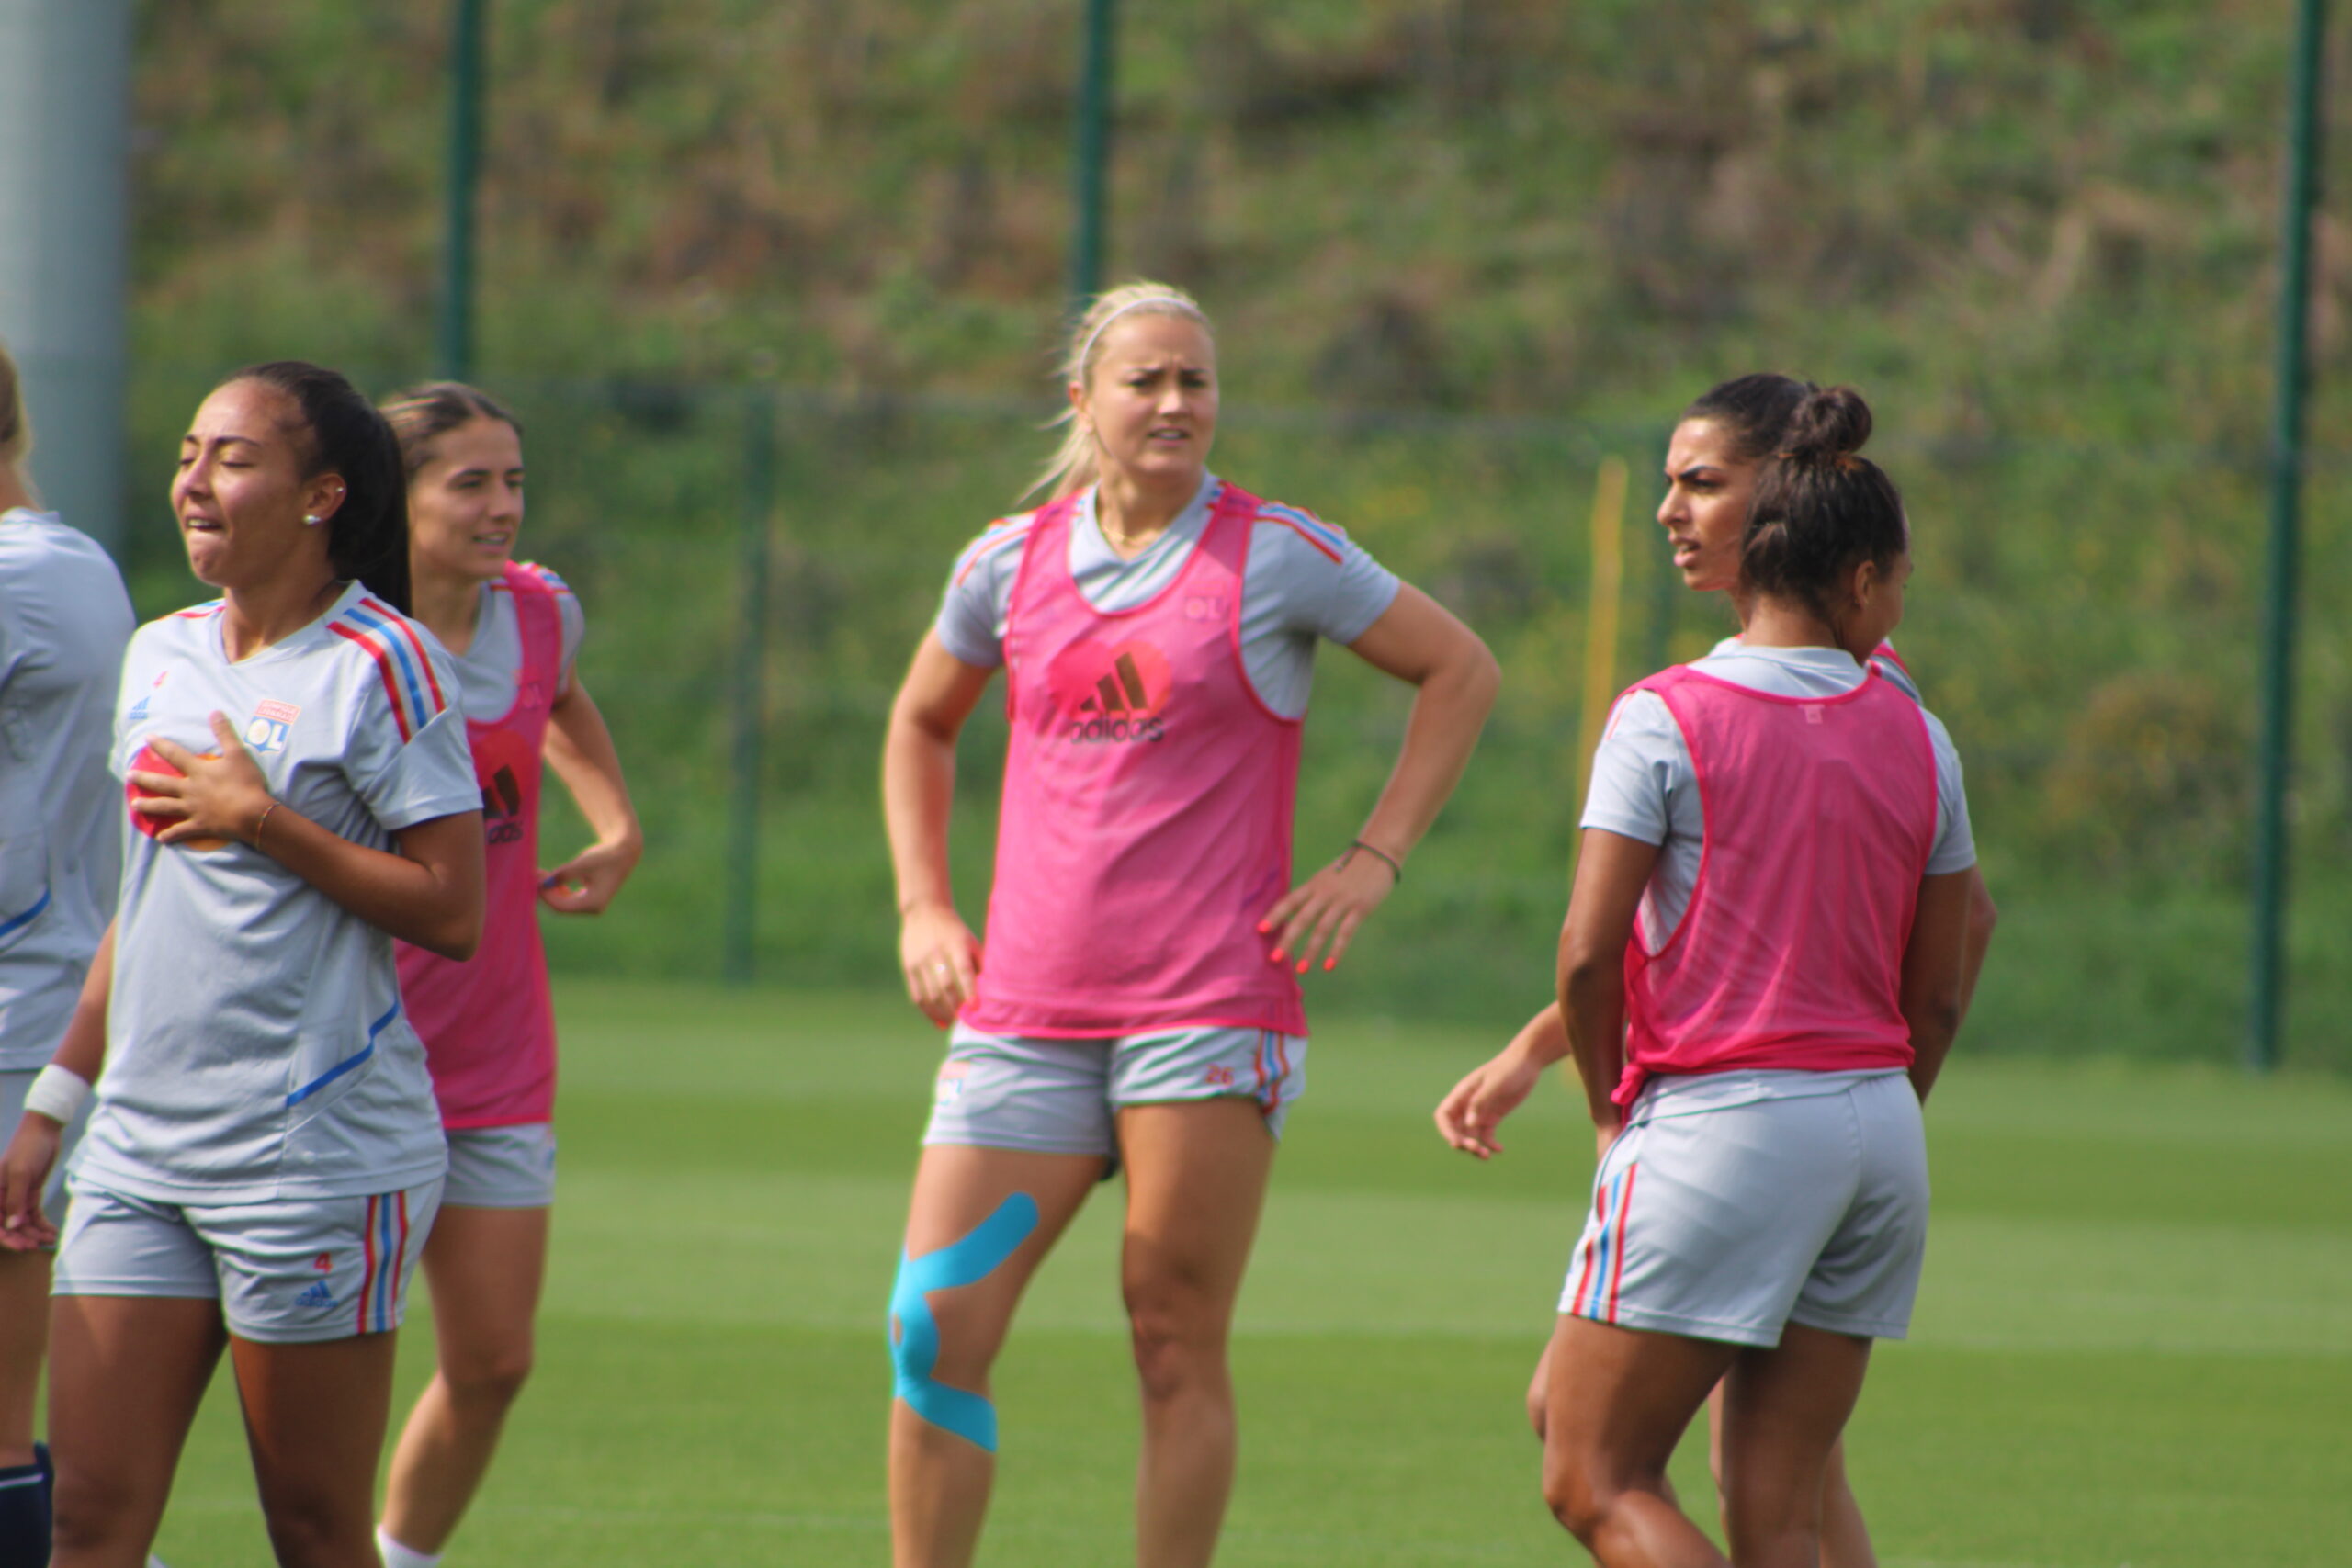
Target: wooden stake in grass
{"type": "Point", "coordinates": [1601, 617]}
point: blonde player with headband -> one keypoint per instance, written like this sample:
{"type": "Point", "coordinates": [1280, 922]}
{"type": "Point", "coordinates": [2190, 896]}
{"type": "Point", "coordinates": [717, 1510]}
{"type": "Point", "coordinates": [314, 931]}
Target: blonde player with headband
{"type": "Point", "coordinates": [64, 621]}
{"type": "Point", "coordinates": [1136, 1004]}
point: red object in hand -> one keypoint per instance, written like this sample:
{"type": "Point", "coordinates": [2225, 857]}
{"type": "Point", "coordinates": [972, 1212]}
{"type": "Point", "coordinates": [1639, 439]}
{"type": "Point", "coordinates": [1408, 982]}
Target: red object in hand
{"type": "Point", "coordinates": [148, 761]}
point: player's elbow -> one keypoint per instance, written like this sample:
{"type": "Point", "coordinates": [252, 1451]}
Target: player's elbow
{"type": "Point", "coordinates": [456, 930]}
{"type": "Point", "coordinates": [1983, 916]}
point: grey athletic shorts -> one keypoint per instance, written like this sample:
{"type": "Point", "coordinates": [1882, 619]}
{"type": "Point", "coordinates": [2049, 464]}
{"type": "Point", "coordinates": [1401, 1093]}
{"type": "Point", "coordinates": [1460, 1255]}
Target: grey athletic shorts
{"type": "Point", "coordinates": [1062, 1096]}
{"type": "Point", "coordinates": [1723, 1217]}
{"type": "Point", "coordinates": [500, 1167]}
{"type": "Point", "coordinates": [14, 1087]}
{"type": "Point", "coordinates": [285, 1272]}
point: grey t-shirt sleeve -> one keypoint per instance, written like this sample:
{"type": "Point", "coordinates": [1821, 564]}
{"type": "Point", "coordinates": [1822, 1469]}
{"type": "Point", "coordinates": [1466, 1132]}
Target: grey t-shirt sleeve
{"type": "Point", "coordinates": [574, 623]}
{"type": "Point", "coordinates": [1639, 770]}
{"type": "Point", "coordinates": [428, 774]}
{"type": "Point", "coordinates": [1312, 578]}
{"type": "Point", "coordinates": [979, 594]}
{"type": "Point", "coordinates": [1955, 845]}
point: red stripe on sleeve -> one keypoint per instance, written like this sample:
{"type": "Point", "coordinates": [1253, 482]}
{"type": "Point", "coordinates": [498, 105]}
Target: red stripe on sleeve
{"type": "Point", "coordinates": [384, 668]}
{"type": "Point", "coordinates": [399, 624]}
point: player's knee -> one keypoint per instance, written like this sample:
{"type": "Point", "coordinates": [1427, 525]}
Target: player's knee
{"type": "Point", "coordinates": [1538, 1402]}
{"type": "Point", "coordinates": [86, 1512]}
{"type": "Point", "coordinates": [492, 1377]}
{"type": "Point", "coordinates": [1178, 1338]}
{"type": "Point", "coordinates": [931, 1361]}
{"type": "Point", "coordinates": [1572, 1492]}
{"type": "Point", "coordinates": [315, 1530]}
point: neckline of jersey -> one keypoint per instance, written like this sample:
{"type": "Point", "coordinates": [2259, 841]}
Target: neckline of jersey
{"type": "Point", "coordinates": [293, 641]}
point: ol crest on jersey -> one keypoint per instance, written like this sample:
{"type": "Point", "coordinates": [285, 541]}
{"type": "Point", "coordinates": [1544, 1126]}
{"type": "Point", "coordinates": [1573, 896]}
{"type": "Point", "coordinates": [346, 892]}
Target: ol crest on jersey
{"type": "Point", "coordinates": [272, 721]}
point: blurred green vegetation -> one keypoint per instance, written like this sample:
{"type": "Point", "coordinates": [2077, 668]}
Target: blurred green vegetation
{"type": "Point", "coordinates": [1460, 251]}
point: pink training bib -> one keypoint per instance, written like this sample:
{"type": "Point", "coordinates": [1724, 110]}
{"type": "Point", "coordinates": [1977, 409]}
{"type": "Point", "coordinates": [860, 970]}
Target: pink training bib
{"type": "Point", "coordinates": [488, 1024]}
{"type": "Point", "coordinates": [1820, 813]}
{"type": "Point", "coordinates": [1147, 795]}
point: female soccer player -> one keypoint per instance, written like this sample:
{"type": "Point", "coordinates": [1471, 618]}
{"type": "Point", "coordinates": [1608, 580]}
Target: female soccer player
{"type": "Point", "coordinates": [1713, 458]}
{"type": "Point", "coordinates": [512, 631]}
{"type": "Point", "coordinates": [264, 1157]}
{"type": "Point", "coordinates": [64, 621]}
{"type": "Point", "coordinates": [1137, 1003]}
{"type": "Point", "coordinates": [1761, 971]}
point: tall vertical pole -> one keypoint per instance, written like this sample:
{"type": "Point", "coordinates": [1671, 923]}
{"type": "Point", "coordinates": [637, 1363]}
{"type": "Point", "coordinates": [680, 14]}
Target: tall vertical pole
{"type": "Point", "coordinates": [1093, 148]}
{"type": "Point", "coordinates": [2267, 977]}
{"type": "Point", "coordinates": [454, 331]}
{"type": "Point", "coordinates": [750, 716]}
{"type": "Point", "coordinates": [1666, 594]}
{"type": "Point", "coordinates": [64, 272]}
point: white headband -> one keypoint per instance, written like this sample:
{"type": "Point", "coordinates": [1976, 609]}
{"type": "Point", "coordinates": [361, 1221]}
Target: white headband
{"type": "Point", "coordinates": [1183, 306]}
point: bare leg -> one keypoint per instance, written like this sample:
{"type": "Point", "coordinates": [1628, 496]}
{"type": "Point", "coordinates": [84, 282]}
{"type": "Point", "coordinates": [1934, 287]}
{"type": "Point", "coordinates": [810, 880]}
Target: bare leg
{"type": "Point", "coordinates": [24, 1340]}
{"type": "Point", "coordinates": [1620, 1400]}
{"type": "Point", "coordinates": [314, 1419]}
{"type": "Point", "coordinates": [939, 1482]}
{"type": "Point", "coordinates": [485, 1267]}
{"type": "Point", "coordinates": [1196, 1181]}
{"type": "Point", "coordinates": [1784, 1410]}
{"type": "Point", "coordinates": [126, 1375]}
{"type": "Point", "coordinates": [1844, 1537]}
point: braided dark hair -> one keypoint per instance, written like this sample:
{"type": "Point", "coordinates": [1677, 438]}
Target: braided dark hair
{"type": "Point", "coordinates": [1820, 508]}
{"type": "Point", "coordinates": [367, 536]}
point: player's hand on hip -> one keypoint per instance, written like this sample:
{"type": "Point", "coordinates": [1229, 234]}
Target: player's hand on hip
{"type": "Point", "coordinates": [941, 958]}
{"type": "Point", "coordinates": [585, 883]}
{"type": "Point", "coordinates": [24, 1170]}
{"type": "Point", "coordinates": [218, 794]}
{"type": "Point", "coordinates": [1470, 1114]}
{"type": "Point", "coordinates": [1321, 914]}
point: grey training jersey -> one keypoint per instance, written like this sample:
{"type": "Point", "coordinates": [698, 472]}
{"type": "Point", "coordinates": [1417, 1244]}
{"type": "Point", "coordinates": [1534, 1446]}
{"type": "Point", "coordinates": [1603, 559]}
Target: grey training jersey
{"type": "Point", "coordinates": [1306, 579]}
{"type": "Point", "coordinates": [64, 621]}
{"type": "Point", "coordinates": [255, 1042]}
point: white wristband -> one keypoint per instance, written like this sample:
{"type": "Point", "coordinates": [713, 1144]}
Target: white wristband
{"type": "Point", "coordinates": [57, 1093]}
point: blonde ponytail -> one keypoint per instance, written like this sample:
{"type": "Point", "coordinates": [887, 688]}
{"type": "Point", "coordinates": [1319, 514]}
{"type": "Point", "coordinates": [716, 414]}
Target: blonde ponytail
{"type": "Point", "coordinates": [1072, 465]}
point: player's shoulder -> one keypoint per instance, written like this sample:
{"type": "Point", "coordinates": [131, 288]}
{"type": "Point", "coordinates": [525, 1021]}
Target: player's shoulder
{"type": "Point", "coordinates": [376, 649]}
{"type": "Point", "coordinates": [1312, 533]}
{"type": "Point", "coordinates": [178, 629]}
{"type": "Point", "coordinates": [532, 572]}
{"type": "Point", "coordinates": [1890, 664]}
{"type": "Point", "coordinates": [1000, 540]}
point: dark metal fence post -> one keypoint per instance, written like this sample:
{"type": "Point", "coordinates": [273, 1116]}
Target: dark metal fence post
{"type": "Point", "coordinates": [1094, 139]}
{"type": "Point", "coordinates": [2266, 980]}
{"type": "Point", "coordinates": [750, 716]}
{"type": "Point", "coordinates": [454, 331]}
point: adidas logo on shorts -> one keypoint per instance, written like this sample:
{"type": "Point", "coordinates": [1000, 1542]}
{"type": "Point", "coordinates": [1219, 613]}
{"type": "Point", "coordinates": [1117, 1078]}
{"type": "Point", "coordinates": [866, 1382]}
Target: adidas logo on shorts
{"type": "Point", "coordinates": [317, 1297]}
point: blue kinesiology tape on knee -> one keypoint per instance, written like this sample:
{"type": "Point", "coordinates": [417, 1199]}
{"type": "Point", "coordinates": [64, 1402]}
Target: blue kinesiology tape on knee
{"type": "Point", "coordinates": [915, 1350]}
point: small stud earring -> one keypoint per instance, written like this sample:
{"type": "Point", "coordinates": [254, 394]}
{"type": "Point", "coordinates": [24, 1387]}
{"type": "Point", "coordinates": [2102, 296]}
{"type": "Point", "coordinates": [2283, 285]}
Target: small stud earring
{"type": "Point", "coordinates": [310, 522]}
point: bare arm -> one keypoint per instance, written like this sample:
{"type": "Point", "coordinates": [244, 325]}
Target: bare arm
{"type": "Point", "coordinates": [937, 951]}
{"type": "Point", "coordinates": [1588, 1021]}
{"type": "Point", "coordinates": [429, 893]}
{"type": "Point", "coordinates": [1417, 641]}
{"type": "Point", "coordinates": [1934, 972]}
{"type": "Point", "coordinates": [32, 1151]}
{"type": "Point", "coordinates": [580, 749]}
{"type": "Point", "coordinates": [1982, 918]}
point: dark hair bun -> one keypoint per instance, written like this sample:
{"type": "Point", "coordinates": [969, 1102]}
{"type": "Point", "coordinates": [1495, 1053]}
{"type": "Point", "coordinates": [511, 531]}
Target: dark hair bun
{"type": "Point", "coordinates": [1829, 425]}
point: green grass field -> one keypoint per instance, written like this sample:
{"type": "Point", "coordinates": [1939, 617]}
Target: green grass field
{"type": "Point", "coordinates": [2135, 1346]}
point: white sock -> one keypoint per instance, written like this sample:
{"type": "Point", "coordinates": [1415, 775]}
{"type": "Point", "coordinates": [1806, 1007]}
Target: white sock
{"type": "Point", "coordinates": [398, 1556]}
